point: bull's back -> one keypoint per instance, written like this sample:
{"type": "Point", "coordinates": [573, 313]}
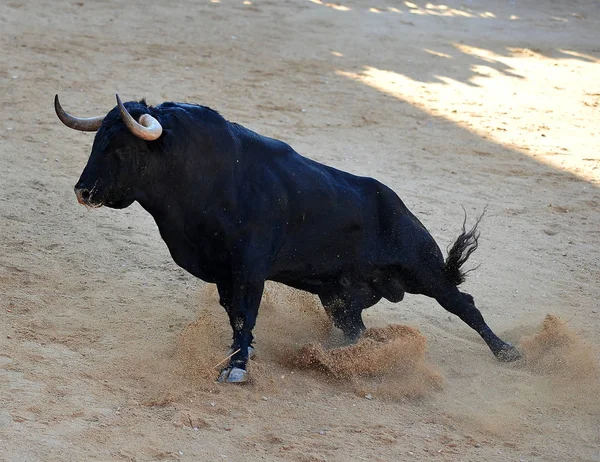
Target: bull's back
{"type": "Point", "coordinates": [335, 222]}
{"type": "Point", "coordinates": [327, 221]}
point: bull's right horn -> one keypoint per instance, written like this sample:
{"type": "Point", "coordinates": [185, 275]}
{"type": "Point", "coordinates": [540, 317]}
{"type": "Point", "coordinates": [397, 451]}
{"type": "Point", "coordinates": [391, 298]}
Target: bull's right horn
{"type": "Point", "coordinates": [148, 128]}
{"type": "Point", "coordinates": [91, 124]}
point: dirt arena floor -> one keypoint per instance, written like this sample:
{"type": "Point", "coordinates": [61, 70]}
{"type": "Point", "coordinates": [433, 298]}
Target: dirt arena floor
{"type": "Point", "coordinates": [108, 349]}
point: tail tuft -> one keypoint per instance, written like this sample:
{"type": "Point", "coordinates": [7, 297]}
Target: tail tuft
{"type": "Point", "coordinates": [461, 250]}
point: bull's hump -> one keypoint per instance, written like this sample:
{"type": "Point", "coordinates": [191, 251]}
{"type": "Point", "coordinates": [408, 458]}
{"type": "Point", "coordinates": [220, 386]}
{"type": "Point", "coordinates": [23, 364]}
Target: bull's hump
{"type": "Point", "coordinates": [186, 106]}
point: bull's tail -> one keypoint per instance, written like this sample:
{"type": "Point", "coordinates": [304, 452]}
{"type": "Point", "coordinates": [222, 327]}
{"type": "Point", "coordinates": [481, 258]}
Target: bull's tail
{"type": "Point", "coordinates": [460, 252]}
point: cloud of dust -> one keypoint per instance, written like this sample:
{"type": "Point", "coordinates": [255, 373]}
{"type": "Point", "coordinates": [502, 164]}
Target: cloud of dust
{"type": "Point", "coordinates": [558, 350]}
{"type": "Point", "coordinates": [292, 326]}
{"type": "Point", "coordinates": [179, 371]}
{"type": "Point", "coordinates": [204, 343]}
{"type": "Point", "coordinates": [287, 319]}
{"type": "Point", "coordinates": [389, 362]}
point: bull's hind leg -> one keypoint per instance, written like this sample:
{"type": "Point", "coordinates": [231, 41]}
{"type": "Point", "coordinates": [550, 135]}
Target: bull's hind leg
{"type": "Point", "coordinates": [462, 305]}
{"type": "Point", "coordinates": [344, 315]}
{"type": "Point", "coordinates": [345, 307]}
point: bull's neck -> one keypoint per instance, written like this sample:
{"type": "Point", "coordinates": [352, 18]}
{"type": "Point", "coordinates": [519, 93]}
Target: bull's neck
{"type": "Point", "coordinates": [162, 202]}
{"type": "Point", "coordinates": [188, 184]}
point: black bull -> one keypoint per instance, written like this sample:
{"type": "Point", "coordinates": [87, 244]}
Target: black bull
{"type": "Point", "coordinates": [236, 209]}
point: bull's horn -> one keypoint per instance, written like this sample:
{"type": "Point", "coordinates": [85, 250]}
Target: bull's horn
{"type": "Point", "coordinates": [148, 128]}
{"type": "Point", "coordinates": [91, 124]}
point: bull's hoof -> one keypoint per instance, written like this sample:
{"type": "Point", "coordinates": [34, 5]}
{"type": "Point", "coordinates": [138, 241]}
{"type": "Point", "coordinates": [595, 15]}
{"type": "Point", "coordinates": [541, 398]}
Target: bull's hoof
{"type": "Point", "coordinates": [233, 375]}
{"type": "Point", "coordinates": [508, 353]}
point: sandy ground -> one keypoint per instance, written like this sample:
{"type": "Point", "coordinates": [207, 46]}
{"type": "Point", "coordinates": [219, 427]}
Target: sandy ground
{"type": "Point", "coordinates": [107, 348]}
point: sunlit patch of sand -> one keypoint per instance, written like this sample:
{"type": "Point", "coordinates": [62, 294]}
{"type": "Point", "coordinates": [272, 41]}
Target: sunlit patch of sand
{"type": "Point", "coordinates": [522, 99]}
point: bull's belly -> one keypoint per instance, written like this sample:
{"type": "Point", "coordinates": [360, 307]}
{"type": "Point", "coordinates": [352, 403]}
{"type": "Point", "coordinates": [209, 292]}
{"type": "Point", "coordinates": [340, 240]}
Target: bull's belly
{"type": "Point", "coordinates": [375, 283]}
{"type": "Point", "coordinates": [312, 275]}
{"type": "Point", "coordinates": [313, 286]}
{"type": "Point", "coordinates": [377, 277]}
{"type": "Point", "coordinates": [321, 277]}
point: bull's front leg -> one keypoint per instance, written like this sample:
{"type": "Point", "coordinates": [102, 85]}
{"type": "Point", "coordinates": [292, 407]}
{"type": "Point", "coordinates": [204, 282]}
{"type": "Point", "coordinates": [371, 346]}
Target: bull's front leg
{"type": "Point", "coordinates": [242, 307]}
{"type": "Point", "coordinates": [225, 301]}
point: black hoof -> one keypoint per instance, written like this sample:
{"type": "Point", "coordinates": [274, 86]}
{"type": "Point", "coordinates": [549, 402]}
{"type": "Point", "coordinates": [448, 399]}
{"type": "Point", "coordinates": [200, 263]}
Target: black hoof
{"type": "Point", "coordinates": [508, 353]}
{"type": "Point", "coordinates": [233, 375]}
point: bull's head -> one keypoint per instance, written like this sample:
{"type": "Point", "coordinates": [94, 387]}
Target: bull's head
{"type": "Point", "coordinates": [120, 153]}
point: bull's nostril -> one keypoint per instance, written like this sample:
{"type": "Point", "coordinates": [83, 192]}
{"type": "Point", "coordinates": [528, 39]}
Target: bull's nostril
{"type": "Point", "coordinates": [83, 195]}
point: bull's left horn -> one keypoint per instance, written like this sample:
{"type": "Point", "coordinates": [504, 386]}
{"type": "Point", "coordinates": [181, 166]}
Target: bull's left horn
{"type": "Point", "coordinates": [148, 128]}
{"type": "Point", "coordinates": [91, 124]}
